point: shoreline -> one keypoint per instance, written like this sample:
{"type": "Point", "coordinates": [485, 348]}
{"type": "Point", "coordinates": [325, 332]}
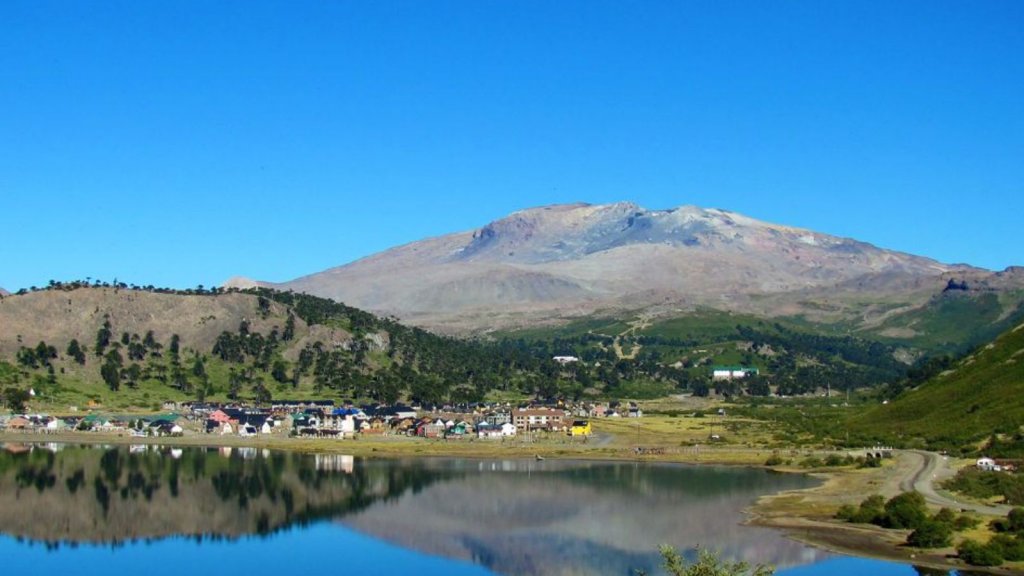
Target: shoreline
{"type": "Point", "coordinates": [803, 515]}
{"type": "Point", "coordinates": [806, 515]}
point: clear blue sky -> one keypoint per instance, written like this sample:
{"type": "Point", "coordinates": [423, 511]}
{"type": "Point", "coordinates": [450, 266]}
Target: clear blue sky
{"type": "Point", "coordinates": [181, 143]}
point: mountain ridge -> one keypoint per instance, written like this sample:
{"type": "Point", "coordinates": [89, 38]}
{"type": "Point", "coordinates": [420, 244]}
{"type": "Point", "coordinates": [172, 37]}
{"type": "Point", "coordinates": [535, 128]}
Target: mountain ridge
{"type": "Point", "coordinates": [554, 263]}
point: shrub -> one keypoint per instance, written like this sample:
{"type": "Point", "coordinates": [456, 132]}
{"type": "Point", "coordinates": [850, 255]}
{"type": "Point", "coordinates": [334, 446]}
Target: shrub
{"type": "Point", "coordinates": [931, 534]}
{"type": "Point", "coordinates": [869, 511]}
{"type": "Point", "coordinates": [976, 554]}
{"type": "Point", "coordinates": [812, 462]}
{"type": "Point", "coordinates": [773, 460]}
{"type": "Point", "coordinates": [1016, 520]}
{"type": "Point", "coordinates": [869, 463]}
{"type": "Point", "coordinates": [984, 485]}
{"type": "Point", "coordinates": [1000, 525]}
{"type": "Point", "coordinates": [708, 564]}
{"type": "Point", "coordinates": [875, 502]}
{"type": "Point", "coordinates": [965, 522]}
{"type": "Point", "coordinates": [834, 460]}
{"type": "Point", "coordinates": [945, 516]}
{"type": "Point", "coordinates": [846, 512]}
{"type": "Point", "coordinates": [1010, 548]}
{"type": "Point", "coordinates": [906, 510]}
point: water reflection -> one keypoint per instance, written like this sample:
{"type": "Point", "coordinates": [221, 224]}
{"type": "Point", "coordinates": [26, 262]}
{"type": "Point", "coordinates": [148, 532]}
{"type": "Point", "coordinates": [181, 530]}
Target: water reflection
{"type": "Point", "coordinates": [514, 517]}
{"type": "Point", "coordinates": [109, 495]}
{"type": "Point", "coordinates": [591, 518]}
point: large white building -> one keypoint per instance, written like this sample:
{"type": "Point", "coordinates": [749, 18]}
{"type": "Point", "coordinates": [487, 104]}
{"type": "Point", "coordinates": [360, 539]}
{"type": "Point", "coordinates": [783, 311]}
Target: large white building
{"type": "Point", "coordinates": [732, 372]}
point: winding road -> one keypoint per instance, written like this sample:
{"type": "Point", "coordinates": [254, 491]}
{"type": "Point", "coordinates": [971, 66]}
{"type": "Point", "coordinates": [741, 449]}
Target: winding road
{"type": "Point", "coordinates": [928, 468]}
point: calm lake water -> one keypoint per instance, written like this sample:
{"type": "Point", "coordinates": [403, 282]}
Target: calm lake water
{"type": "Point", "coordinates": [147, 510]}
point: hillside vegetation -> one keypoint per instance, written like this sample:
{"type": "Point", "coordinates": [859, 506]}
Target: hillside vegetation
{"type": "Point", "coordinates": [793, 356]}
{"type": "Point", "coordinates": [77, 344]}
{"type": "Point", "coordinates": [980, 399]}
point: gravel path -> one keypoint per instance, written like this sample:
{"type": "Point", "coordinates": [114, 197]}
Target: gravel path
{"type": "Point", "coordinates": [930, 468]}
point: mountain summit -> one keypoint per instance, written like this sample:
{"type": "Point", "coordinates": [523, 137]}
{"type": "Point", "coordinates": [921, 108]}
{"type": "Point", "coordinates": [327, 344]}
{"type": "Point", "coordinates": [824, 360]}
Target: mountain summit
{"type": "Point", "coordinates": [562, 261]}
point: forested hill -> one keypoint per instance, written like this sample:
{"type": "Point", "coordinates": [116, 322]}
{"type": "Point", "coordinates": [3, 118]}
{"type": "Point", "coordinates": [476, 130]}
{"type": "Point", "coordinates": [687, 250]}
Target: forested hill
{"type": "Point", "coordinates": [977, 401]}
{"type": "Point", "coordinates": [127, 346]}
{"type": "Point", "coordinates": [77, 342]}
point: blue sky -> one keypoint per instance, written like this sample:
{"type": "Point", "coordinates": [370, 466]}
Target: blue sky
{"type": "Point", "coordinates": [181, 143]}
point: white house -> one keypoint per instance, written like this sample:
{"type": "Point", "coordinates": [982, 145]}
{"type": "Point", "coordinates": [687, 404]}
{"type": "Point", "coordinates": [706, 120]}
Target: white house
{"type": "Point", "coordinates": [988, 465]}
{"type": "Point", "coordinates": [348, 425]}
{"type": "Point", "coordinates": [732, 372]}
{"type": "Point", "coordinates": [56, 425]}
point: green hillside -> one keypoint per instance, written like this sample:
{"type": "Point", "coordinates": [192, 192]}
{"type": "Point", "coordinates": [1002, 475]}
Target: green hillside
{"type": "Point", "coordinates": [124, 347]}
{"type": "Point", "coordinates": [981, 396]}
{"type": "Point", "coordinates": [75, 344]}
{"type": "Point", "coordinates": [953, 321]}
{"type": "Point", "coordinates": [794, 356]}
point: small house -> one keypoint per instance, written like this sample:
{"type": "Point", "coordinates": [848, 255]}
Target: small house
{"type": "Point", "coordinates": [988, 465]}
{"type": "Point", "coordinates": [19, 423]}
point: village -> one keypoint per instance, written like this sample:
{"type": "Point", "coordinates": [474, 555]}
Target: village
{"type": "Point", "coordinates": [328, 420]}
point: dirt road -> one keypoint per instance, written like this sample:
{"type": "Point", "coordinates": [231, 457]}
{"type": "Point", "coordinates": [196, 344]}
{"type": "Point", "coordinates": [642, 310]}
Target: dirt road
{"type": "Point", "coordinates": [929, 468]}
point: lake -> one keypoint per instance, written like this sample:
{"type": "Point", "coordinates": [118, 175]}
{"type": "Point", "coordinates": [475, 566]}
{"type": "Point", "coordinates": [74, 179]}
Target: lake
{"type": "Point", "coordinates": [152, 510]}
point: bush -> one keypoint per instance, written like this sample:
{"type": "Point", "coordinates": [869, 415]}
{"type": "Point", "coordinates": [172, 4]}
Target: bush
{"type": "Point", "coordinates": [869, 511]}
{"type": "Point", "coordinates": [1010, 548]}
{"type": "Point", "coordinates": [965, 522]}
{"type": "Point", "coordinates": [931, 534]}
{"type": "Point", "coordinates": [773, 460]}
{"type": "Point", "coordinates": [869, 463]}
{"type": "Point", "coordinates": [976, 554]}
{"type": "Point", "coordinates": [1000, 525]}
{"type": "Point", "coordinates": [907, 510]}
{"type": "Point", "coordinates": [834, 460]}
{"type": "Point", "coordinates": [708, 564]}
{"type": "Point", "coordinates": [875, 502]}
{"type": "Point", "coordinates": [1016, 520]}
{"type": "Point", "coordinates": [984, 485]}
{"type": "Point", "coordinates": [945, 516]}
{"type": "Point", "coordinates": [846, 512]}
{"type": "Point", "coordinates": [812, 462]}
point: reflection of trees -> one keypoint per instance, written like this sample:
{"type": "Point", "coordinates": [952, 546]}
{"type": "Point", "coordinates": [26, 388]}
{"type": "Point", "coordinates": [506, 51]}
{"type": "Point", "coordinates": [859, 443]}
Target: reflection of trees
{"type": "Point", "coordinates": [202, 494]}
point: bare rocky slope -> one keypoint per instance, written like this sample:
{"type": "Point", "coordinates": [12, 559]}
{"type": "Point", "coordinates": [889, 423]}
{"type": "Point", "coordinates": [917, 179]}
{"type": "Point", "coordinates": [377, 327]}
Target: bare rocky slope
{"type": "Point", "coordinates": [550, 264]}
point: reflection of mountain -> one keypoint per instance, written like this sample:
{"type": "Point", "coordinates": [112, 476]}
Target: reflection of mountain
{"type": "Point", "coordinates": [112, 495]}
{"type": "Point", "coordinates": [587, 519]}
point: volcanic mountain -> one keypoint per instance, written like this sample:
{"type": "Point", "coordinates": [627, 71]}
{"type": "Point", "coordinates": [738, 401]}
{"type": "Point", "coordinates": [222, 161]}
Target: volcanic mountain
{"type": "Point", "coordinates": [549, 264]}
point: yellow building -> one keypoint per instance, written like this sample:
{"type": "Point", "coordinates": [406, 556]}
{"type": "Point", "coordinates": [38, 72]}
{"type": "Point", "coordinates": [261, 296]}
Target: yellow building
{"type": "Point", "coordinates": [580, 428]}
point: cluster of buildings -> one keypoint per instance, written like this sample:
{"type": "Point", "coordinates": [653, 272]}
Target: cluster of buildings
{"type": "Point", "coordinates": [323, 419]}
{"type": "Point", "coordinates": [152, 425]}
{"type": "Point", "coordinates": [326, 421]}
